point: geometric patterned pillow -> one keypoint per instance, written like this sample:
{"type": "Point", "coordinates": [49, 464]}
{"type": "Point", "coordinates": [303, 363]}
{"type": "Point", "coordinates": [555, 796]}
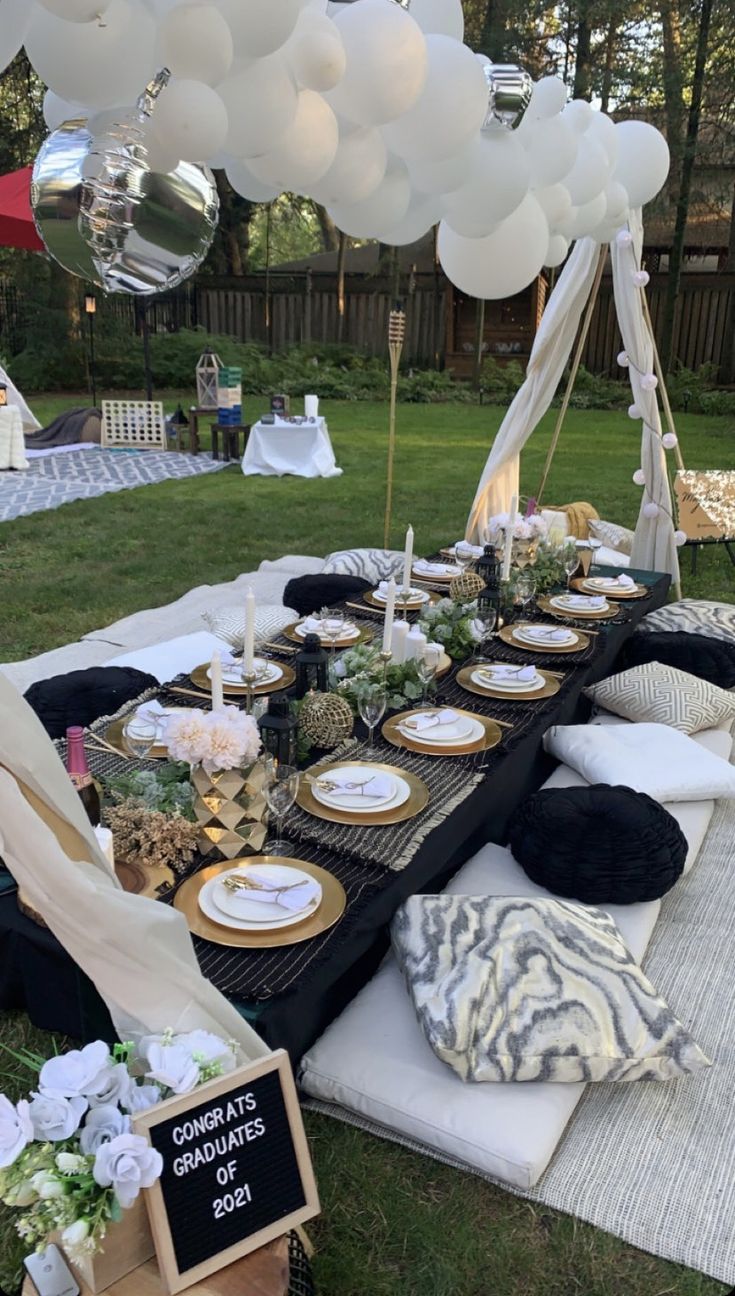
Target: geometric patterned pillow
{"type": "Point", "coordinates": [228, 623]}
{"type": "Point", "coordinates": [521, 990]}
{"type": "Point", "coordinates": [698, 616]}
{"type": "Point", "coordinates": [613, 536]}
{"type": "Point", "coordinates": [659, 694]}
{"type": "Point", "coordinates": [374, 565]}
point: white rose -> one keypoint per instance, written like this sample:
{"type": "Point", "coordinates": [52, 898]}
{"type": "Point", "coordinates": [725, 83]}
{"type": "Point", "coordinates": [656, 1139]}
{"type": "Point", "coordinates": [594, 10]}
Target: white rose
{"type": "Point", "coordinates": [114, 1087]}
{"type": "Point", "coordinates": [141, 1097]}
{"type": "Point", "coordinates": [47, 1185]}
{"type": "Point", "coordinates": [75, 1233]}
{"type": "Point", "coordinates": [126, 1165]}
{"type": "Point", "coordinates": [16, 1130]}
{"type": "Point", "coordinates": [24, 1195]}
{"type": "Point", "coordinates": [172, 1067]}
{"type": "Point", "coordinates": [206, 1048]}
{"type": "Point", "coordinates": [55, 1119]}
{"type": "Point", "coordinates": [102, 1125]}
{"type": "Point", "coordinates": [77, 1074]}
{"type": "Point", "coordinates": [69, 1163]}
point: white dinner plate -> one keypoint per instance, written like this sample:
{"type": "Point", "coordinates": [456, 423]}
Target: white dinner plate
{"type": "Point", "coordinates": [437, 571]}
{"type": "Point", "coordinates": [211, 910]}
{"type": "Point", "coordinates": [363, 805]}
{"type": "Point", "coordinates": [438, 734]}
{"type": "Point", "coordinates": [415, 596]}
{"type": "Point", "coordinates": [577, 603]}
{"type": "Point", "coordinates": [239, 906]}
{"type": "Point", "coordinates": [602, 585]}
{"type": "Point", "coordinates": [349, 632]}
{"type": "Point", "coordinates": [267, 671]}
{"type": "Point", "coordinates": [538, 641]}
{"type": "Point", "coordinates": [502, 686]}
{"type": "Point", "coordinates": [136, 725]}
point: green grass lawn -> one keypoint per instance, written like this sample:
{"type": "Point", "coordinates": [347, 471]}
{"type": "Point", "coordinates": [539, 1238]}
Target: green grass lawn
{"type": "Point", "coordinates": [393, 1224]}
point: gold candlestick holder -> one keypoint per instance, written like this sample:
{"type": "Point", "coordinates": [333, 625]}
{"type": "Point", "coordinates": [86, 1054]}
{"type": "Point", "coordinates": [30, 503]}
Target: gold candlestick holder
{"type": "Point", "coordinates": [386, 657]}
{"type": "Point", "coordinates": [249, 679]}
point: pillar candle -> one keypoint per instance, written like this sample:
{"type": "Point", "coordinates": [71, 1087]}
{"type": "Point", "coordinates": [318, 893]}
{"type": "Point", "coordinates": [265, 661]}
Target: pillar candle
{"type": "Point", "coordinates": [390, 611]}
{"type": "Point", "coordinates": [218, 694]}
{"type": "Point", "coordinates": [415, 644]}
{"type": "Point", "coordinates": [249, 653]}
{"type": "Point", "coordinates": [408, 560]}
{"type": "Point", "coordinates": [399, 639]}
{"type": "Point", "coordinates": [507, 556]}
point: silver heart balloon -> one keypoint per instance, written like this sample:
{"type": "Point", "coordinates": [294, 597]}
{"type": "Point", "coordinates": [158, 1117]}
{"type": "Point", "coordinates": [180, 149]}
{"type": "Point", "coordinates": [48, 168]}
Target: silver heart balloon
{"type": "Point", "coordinates": [104, 215]}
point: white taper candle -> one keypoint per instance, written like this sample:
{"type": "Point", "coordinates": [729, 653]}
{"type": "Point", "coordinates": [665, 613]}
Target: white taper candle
{"type": "Point", "coordinates": [390, 611]}
{"type": "Point", "coordinates": [249, 645]}
{"type": "Point", "coordinates": [408, 561]}
{"type": "Point", "coordinates": [218, 692]}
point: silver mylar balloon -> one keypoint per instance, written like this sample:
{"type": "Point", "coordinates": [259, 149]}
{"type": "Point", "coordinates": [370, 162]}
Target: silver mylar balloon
{"type": "Point", "coordinates": [105, 216]}
{"type": "Point", "coordinates": [510, 90]}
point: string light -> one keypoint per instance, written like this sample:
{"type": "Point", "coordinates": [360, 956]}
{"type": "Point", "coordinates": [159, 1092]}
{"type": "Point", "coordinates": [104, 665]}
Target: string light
{"type": "Point", "coordinates": [639, 477]}
{"type": "Point", "coordinates": [641, 278]}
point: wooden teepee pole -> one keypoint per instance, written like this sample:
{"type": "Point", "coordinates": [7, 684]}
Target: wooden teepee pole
{"type": "Point", "coordinates": [584, 334]}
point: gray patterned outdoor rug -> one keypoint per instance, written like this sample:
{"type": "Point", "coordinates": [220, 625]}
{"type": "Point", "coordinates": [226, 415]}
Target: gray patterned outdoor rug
{"type": "Point", "coordinates": [85, 474]}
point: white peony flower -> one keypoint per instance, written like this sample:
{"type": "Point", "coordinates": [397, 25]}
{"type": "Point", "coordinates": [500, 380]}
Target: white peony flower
{"type": "Point", "coordinates": [172, 1067]}
{"type": "Point", "coordinates": [77, 1074]}
{"type": "Point", "coordinates": [102, 1125]}
{"type": "Point", "coordinates": [70, 1163]}
{"type": "Point", "coordinates": [141, 1097]}
{"type": "Point", "coordinates": [234, 740]}
{"type": "Point", "coordinates": [47, 1185]}
{"type": "Point", "coordinates": [16, 1130]}
{"type": "Point", "coordinates": [187, 738]}
{"type": "Point", "coordinates": [127, 1164]}
{"type": "Point", "coordinates": [75, 1233]}
{"type": "Point", "coordinates": [115, 1089]}
{"type": "Point", "coordinates": [55, 1119]}
{"type": "Point", "coordinates": [207, 1048]}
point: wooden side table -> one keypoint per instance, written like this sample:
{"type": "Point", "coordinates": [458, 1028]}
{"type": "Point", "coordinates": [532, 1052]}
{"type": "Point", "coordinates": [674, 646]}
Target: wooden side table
{"type": "Point", "coordinates": [195, 413]}
{"type": "Point", "coordinates": [230, 434]}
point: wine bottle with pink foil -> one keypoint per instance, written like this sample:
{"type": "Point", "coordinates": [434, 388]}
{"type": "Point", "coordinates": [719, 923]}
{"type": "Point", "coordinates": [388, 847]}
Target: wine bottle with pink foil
{"type": "Point", "coordinates": [78, 770]}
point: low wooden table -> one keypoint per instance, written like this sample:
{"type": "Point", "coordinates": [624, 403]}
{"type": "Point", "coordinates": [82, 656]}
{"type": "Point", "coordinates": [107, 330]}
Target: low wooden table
{"type": "Point", "coordinates": [230, 433]}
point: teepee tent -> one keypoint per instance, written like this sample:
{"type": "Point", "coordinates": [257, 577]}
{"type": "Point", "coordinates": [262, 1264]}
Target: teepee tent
{"type": "Point", "coordinates": [30, 422]}
{"type": "Point", "coordinates": [654, 547]}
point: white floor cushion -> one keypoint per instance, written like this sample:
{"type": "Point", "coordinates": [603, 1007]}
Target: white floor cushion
{"type": "Point", "coordinates": [652, 758]}
{"type": "Point", "coordinates": [73, 656]}
{"type": "Point", "coordinates": [167, 660]}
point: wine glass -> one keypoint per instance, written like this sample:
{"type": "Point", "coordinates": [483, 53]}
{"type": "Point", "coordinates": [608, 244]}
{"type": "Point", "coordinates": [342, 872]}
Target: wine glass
{"type": "Point", "coordinates": [426, 669]}
{"type": "Point", "coordinates": [372, 703]}
{"type": "Point", "coordinates": [463, 554]}
{"type": "Point", "coordinates": [487, 619]}
{"type": "Point", "coordinates": [139, 737]}
{"type": "Point", "coordinates": [333, 627]}
{"type": "Point", "coordinates": [526, 588]}
{"type": "Point", "coordinates": [570, 558]}
{"type": "Point", "coordinates": [280, 790]}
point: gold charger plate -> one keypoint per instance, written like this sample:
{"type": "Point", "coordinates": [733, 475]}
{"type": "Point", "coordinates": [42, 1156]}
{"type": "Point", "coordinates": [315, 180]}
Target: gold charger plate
{"type": "Point", "coordinates": [546, 606]}
{"type": "Point", "coordinates": [435, 578]}
{"type": "Point", "coordinates": [580, 584]}
{"type": "Point", "coordinates": [417, 801]}
{"type": "Point", "coordinates": [550, 689]}
{"type": "Point", "coordinates": [392, 734]}
{"type": "Point", "coordinates": [506, 634]}
{"type": "Point", "coordinates": [331, 909]}
{"type": "Point", "coordinates": [415, 606]}
{"type": "Point", "coordinates": [364, 636]}
{"type": "Point", "coordinates": [200, 678]}
{"type": "Point", "coordinates": [116, 738]}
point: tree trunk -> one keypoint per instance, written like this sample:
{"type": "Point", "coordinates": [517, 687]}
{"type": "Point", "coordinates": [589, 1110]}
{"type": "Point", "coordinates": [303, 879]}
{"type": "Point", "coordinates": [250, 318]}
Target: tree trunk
{"type": "Point", "coordinates": [685, 187]}
{"type": "Point", "coordinates": [341, 295]}
{"type": "Point", "coordinates": [583, 61]}
{"type": "Point", "coordinates": [673, 79]}
{"type": "Point", "coordinates": [611, 42]}
{"type": "Point", "coordinates": [495, 34]}
{"type": "Point", "coordinates": [727, 367]}
{"type": "Point", "coordinates": [328, 229]}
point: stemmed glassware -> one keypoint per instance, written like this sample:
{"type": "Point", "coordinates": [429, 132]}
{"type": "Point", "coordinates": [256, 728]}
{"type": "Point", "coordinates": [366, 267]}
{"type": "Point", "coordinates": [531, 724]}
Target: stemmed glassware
{"type": "Point", "coordinates": [426, 669]}
{"type": "Point", "coordinates": [526, 589]}
{"type": "Point", "coordinates": [463, 554]}
{"type": "Point", "coordinates": [372, 703]}
{"type": "Point", "coordinates": [570, 558]}
{"type": "Point", "coordinates": [139, 739]}
{"type": "Point", "coordinates": [280, 790]}
{"type": "Point", "coordinates": [333, 625]}
{"type": "Point", "coordinates": [487, 619]}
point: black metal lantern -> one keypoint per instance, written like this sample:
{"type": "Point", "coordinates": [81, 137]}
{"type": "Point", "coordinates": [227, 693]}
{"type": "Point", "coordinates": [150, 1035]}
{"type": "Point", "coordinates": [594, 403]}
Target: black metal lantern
{"type": "Point", "coordinates": [278, 728]}
{"type": "Point", "coordinates": [311, 666]}
{"type": "Point", "coordinates": [489, 568]}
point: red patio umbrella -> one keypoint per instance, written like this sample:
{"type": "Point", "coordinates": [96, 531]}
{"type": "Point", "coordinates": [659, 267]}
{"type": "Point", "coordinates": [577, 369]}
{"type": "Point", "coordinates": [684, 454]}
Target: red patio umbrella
{"type": "Point", "coordinates": [17, 229]}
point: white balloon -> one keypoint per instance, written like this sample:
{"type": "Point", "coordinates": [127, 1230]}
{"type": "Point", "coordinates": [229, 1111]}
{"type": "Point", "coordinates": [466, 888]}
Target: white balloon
{"type": "Point", "coordinates": [261, 103]}
{"type": "Point", "coordinates": [161, 157]}
{"type": "Point", "coordinates": [56, 111]}
{"type": "Point", "coordinates": [618, 202]}
{"type": "Point", "coordinates": [449, 173]}
{"type": "Point", "coordinates": [590, 172]}
{"type": "Point", "coordinates": [96, 64]}
{"type": "Point", "coordinates": [578, 114]}
{"type": "Point", "coordinates": [567, 224]}
{"type": "Point", "coordinates": [451, 108]}
{"type": "Point", "coordinates": [15, 18]}
{"type": "Point", "coordinates": [318, 58]}
{"type": "Point", "coordinates": [383, 210]}
{"type": "Point", "coordinates": [498, 185]}
{"type": "Point", "coordinates": [387, 62]}
{"type": "Point", "coordinates": [549, 97]}
{"type": "Point", "coordinates": [76, 11]}
{"type": "Point", "coordinates": [306, 151]}
{"type": "Point", "coordinates": [191, 119]}
{"type": "Point", "coordinates": [244, 183]}
{"type": "Point", "coordinates": [602, 129]}
{"type": "Point", "coordinates": [358, 168]}
{"type": "Point", "coordinates": [551, 148]}
{"type": "Point", "coordinates": [259, 27]}
{"type": "Point", "coordinates": [439, 17]}
{"type": "Point", "coordinates": [555, 203]}
{"type": "Point", "coordinates": [196, 43]}
{"type": "Point", "coordinates": [502, 264]}
{"type": "Point", "coordinates": [644, 161]}
{"type": "Point", "coordinates": [557, 251]}
{"type": "Point", "coordinates": [589, 215]}
{"type": "Point", "coordinates": [423, 214]}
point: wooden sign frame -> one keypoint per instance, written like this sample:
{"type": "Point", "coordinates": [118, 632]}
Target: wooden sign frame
{"type": "Point", "coordinates": [173, 1278]}
{"type": "Point", "coordinates": [706, 503]}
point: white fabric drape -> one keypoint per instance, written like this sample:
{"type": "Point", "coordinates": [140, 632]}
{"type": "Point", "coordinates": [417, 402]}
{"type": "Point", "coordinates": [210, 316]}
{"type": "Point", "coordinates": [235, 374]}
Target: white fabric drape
{"type": "Point", "coordinates": [30, 422]}
{"type": "Point", "coordinates": [138, 952]}
{"type": "Point", "coordinates": [549, 355]}
{"type": "Point", "coordinates": [654, 547]}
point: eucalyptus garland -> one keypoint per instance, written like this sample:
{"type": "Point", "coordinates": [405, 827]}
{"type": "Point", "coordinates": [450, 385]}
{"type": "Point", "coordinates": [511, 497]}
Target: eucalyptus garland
{"type": "Point", "coordinates": [359, 669]}
{"type": "Point", "coordinates": [452, 625]}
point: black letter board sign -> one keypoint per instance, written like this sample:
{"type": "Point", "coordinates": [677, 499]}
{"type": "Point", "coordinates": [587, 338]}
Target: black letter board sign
{"type": "Point", "coordinates": [236, 1170]}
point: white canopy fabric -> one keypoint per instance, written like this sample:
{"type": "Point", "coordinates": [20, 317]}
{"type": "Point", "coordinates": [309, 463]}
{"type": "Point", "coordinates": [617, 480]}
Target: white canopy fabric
{"type": "Point", "coordinates": [138, 952]}
{"type": "Point", "coordinates": [30, 422]}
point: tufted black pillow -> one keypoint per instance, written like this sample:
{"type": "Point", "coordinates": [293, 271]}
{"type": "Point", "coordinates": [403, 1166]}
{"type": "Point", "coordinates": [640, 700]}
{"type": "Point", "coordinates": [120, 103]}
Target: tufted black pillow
{"type": "Point", "coordinates": [82, 696]}
{"type": "Point", "coordinates": [599, 845]}
{"type": "Point", "coordinates": [307, 594]}
{"type": "Point", "coordinates": [709, 659]}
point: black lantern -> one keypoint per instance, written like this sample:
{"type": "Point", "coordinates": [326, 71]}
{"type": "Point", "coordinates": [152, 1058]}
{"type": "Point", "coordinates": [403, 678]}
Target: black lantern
{"type": "Point", "coordinates": [489, 568]}
{"type": "Point", "coordinates": [278, 729]}
{"type": "Point", "coordinates": [310, 664]}
{"type": "Point", "coordinates": [3, 394]}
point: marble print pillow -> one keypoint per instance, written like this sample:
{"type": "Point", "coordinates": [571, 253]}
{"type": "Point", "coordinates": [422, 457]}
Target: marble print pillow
{"type": "Point", "coordinates": [521, 990]}
{"type": "Point", "coordinates": [695, 616]}
{"type": "Point", "coordinates": [374, 565]}
{"type": "Point", "coordinates": [615, 537]}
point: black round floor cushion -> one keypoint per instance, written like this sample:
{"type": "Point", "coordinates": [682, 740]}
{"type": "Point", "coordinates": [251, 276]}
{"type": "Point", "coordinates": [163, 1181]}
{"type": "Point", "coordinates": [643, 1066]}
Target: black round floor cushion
{"type": "Point", "coordinates": [307, 594]}
{"type": "Point", "coordinates": [598, 844]}
{"type": "Point", "coordinates": [709, 659]}
{"type": "Point", "coordinates": [82, 696]}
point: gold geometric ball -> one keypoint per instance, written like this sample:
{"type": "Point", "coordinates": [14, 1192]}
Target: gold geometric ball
{"type": "Point", "coordinates": [326, 719]}
{"type": "Point", "coordinates": [466, 587]}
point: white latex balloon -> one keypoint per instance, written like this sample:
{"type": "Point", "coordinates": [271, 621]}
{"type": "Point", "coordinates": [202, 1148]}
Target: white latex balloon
{"type": "Point", "coordinates": [306, 151]}
{"type": "Point", "coordinates": [549, 97]}
{"type": "Point", "coordinates": [449, 173]}
{"type": "Point", "coordinates": [95, 63]}
{"type": "Point", "coordinates": [551, 148]}
{"type": "Point", "coordinates": [499, 183]}
{"type": "Point", "coordinates": [557, 251]}
{"type": "Point", "coordinates": [357, 170]}
{"type": "Point", "coordinates": [602, 130]}
{"type": "Point", "coordinates": [191, 120]}
{"type": "Point", "coordinates": [555, 202]}
{"type": "Point", "coordinates": [15, 18]}
{"type": "Point", "coordinates": [578, 114]}
{"type": "Point", "coordinates": [259, 27]}
{"type": "Point", "coordinates": [318, 58]}
{"type": "Point", "coordinates": [76, 11]}
{"type": "Point", "coordinates": [196, 43]}
{"type": "Point", "coordinates": [451, 108]}
{"type": "Point", "coordinates": [644, 161]}
{"type": "Point", "coordinates": [618, 202]}
{"type": "Point", "coordinates": [439, 17]}
{"type": "Point", "coordinates": [261, 103]}
{"type": "Point", "coordinates": [383, 210]}
{"type": "Point", "coordinates": [244, 183]}
{"type": "Point", "coordinates": [161, 157]}
{"type": "Point", "coordinates": [422, 215]}
{"type": "Point", "coordinates": [588, 216]}
{"type": "Point", "coordinates": [505, 262]}
{"type": "Point", "coordinates": [56, 111]}
{"type": "Point", "coordinates": [590, 172]}
{"type": "Point", "coordinates": [387, 62]}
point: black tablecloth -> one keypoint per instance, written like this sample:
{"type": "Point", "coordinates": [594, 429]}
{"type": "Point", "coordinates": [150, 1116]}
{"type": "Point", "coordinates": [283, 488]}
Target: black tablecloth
{"type": "Point", "coordinates": [38, 976]}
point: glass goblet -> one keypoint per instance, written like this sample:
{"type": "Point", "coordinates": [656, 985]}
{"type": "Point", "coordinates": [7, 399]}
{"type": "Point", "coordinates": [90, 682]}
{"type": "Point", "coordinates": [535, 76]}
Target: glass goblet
{"type": "Point", "coordinates": [526, 589]}
{"type": "Point", "coordinates": [280, 790]}
{"type": "Point", "coordinates": [426, 669]}
{"type": "Point", "coordinates": [139, 738]}
{"type": "Point", "coordinates": [487, 619]}
{"type": "Point", "coordinates": [570, 558]}
{"type": "Point", "coordinates": [463, 554]}
{"type": "Point", "coordinates": [333, 628]}
{"type": "Point", "coordinates": [371, 705]}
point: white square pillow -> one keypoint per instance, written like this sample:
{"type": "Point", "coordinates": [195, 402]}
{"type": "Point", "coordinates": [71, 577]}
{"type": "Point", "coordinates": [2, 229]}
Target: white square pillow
{"type": "Point", "coordinates": [518, 989]}
{"type": "Point", "coordinates": [664, 695]}
{"type": "Point", "coordinates": [374, 565]}
{"type": "Point", "coordinates": [651, 758]}
{"type": "Point", "coordinates": [612, 536]}
{"type": "Point", "coordinates": [229, 623]}
{"type": "Point", "coordinates": [697, 616]}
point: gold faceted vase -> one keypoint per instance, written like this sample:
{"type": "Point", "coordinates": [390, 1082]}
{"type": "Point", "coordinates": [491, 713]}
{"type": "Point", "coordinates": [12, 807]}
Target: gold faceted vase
{"type": "Point", "coordinates": [231, 811]}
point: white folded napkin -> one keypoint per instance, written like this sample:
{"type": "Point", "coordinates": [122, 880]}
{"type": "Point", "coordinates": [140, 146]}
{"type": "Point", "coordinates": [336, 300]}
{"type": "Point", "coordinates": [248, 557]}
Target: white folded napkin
{"type": "Point", "coordinates": [151, 715]}
{"type": "Point", "coordinates": [509, 674]}
{"type": "Point", "coordinates": [591, 602]}
{"type": "Point", "coordinates": [383, 589]}
{"type": "Point", "coordinates": [546, 634]}
{"type": "Point", "coordinates": [356, 783]}
{"type": "Point", "coordinates": [477, 550]}
{"type": "Point", "coordinates": [292, 899]}
{"type": "Point", "coordinates": [312, 625]}
{"type": "Point", "coordinates": [434, 568]}
{"type": "Point", "coordinates": [431, 720]}
{"type": "Point", "coordinates": [617, 582]}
